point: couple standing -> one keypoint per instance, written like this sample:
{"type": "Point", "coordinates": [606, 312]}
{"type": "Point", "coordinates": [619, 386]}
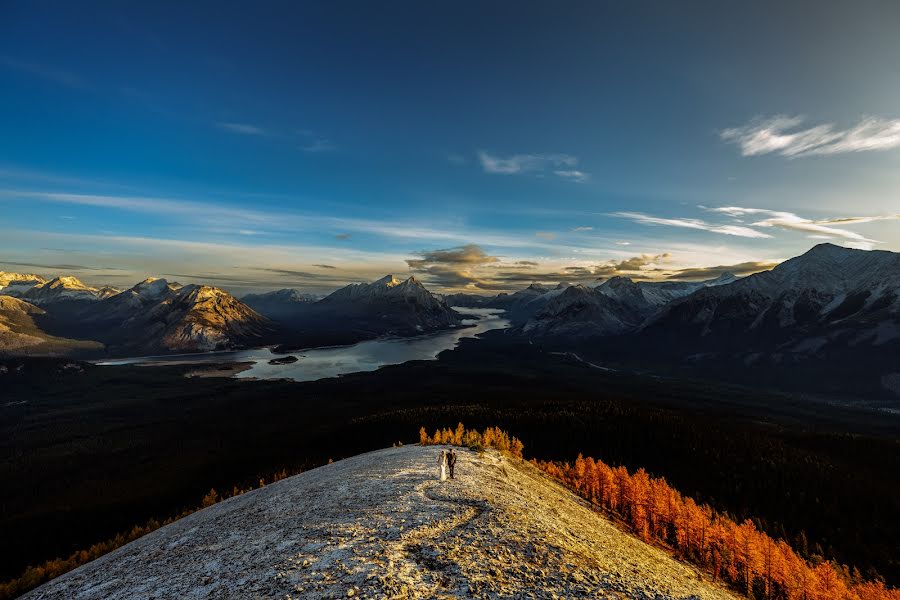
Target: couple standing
{"type": "Point", "coordinates": [447, 462]}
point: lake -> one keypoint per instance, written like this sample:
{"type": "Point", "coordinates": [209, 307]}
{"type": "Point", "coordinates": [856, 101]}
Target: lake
{"type": "Point", "coordinates": [319, 363]}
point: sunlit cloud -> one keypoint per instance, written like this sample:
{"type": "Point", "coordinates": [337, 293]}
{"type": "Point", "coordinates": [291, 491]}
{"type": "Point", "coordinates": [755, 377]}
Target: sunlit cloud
{"type": "Point", "coordinates": [834, 229]}
{"type": "Point", "coordinates": [740, 270]}
{"type": "Point", "coordinates": [735, 230]}
{"type": "Point", "coordinates": [784, 135]}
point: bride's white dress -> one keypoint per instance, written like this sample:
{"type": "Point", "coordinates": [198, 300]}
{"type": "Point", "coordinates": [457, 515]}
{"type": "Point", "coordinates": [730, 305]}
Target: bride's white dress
{"type": "Point", "coordinates": [443, 463]}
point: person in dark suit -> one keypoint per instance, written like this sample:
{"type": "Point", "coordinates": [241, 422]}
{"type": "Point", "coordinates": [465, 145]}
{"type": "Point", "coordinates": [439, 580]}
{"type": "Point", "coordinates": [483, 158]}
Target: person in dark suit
{"type": "Point", "coordinates": [451, 462]}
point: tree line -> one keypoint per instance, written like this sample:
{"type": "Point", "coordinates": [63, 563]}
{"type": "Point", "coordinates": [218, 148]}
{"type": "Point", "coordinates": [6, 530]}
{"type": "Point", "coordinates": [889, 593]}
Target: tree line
{"type": "Point", "coordinates": [749, 560]}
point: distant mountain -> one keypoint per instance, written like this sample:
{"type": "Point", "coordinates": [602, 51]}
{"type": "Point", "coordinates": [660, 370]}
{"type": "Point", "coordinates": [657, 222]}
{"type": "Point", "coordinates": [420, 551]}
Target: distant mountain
{"type": "Point", "coordinates": [15, 284]}
{"type": "Point", "coordinates": [158, 316]}
{"type": "Point", "coordinates": [61, 289]}
{"type": "Point", "coordinates": [616, 306]}
{"type": "Point", "coordinates": [829, 295]}
{"type": "Point", "coordinates": [280, 305]}
{"type": "Point", "coordinates": [389, 305]}
{"type": "Point", "coordinates": [20, 334]}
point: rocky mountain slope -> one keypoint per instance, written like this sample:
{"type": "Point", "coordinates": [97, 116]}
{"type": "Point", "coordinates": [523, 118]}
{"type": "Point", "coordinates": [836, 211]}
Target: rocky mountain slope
{"type": "Point", "coordinates": [616, 306]}
{"type": "Point", "coordinates": [156, 316]}
{"type": "Point", "coordinates": [389, 305]}
{"type": "Point", "coordinates": [64, 290]}
{"type": "Point", "coordinates": [828, 295]}
{"type": "Point", "coordinates": [380, 525]}
{"type": "Point", "coordinates": [14, 284]}
{"type": "Point", "coordinates": [284, 304]}
{"type": "Point", "coordinates": [20, 334]}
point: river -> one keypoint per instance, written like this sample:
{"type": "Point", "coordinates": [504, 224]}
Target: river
{"type": "Point", "coordinates": [319, 363]}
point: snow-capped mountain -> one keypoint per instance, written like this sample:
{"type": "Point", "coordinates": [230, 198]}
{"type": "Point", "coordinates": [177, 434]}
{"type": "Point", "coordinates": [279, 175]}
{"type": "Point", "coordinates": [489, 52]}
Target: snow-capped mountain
{"type": "Point", "coordinates": [280, 304]}
{"type": "Point", "coordinates": [158, 316]}
{"type": "Point", "coordinates": [389, 304]}
{"type": "Point", "coordinates": [804, 303]}
{"type": "Point", "coordinates": [61, 289]}
{"type": "Point", "coordinates": [616, 306]}
{"type": "Point", "coordinates": [15, 284]}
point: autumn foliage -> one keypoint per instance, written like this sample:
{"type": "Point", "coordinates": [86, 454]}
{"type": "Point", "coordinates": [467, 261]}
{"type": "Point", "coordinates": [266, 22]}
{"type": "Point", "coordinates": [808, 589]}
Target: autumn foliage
{"type": "Point", "coordinates": [35, 576]}
{"type": "Point", "coordinates": [738, 553]}
{"type": "Point", "coordinates": [492, 437]}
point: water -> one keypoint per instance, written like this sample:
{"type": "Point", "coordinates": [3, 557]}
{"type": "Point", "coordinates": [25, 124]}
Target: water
{"type": "Point", "coordinates": [318, 363]}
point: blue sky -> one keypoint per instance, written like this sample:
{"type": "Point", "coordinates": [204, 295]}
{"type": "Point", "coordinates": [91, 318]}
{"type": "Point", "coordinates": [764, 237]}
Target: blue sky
{"type": "Point", "coordinates": [478, 146]}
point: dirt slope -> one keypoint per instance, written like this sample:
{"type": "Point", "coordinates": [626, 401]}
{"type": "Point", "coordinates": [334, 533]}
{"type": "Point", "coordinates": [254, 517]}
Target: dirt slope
{"type": "Point", "coordinates": [380, 525]}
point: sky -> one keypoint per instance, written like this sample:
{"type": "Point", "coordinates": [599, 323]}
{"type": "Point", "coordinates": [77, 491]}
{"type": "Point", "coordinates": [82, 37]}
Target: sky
{"type": "Point", "coordinates": [478, 146]}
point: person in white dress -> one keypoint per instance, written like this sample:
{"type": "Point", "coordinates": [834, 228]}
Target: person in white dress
{"type": "Point", "coordinates": [443, 465]}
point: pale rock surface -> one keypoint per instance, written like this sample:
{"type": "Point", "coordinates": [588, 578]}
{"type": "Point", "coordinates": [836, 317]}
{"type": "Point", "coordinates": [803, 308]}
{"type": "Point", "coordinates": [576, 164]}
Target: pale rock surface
{"type": "Point", "coordinates": [380, 525]}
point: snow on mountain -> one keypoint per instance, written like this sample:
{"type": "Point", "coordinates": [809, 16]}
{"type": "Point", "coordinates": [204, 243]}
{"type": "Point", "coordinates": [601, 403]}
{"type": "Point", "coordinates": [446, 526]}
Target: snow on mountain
{"type": "Point", "coordinates": [827, 287]}
{"type": "Point", "coordinates": [280, 304]}
{"type": "Point", "coordinates": [158, 316]}
{"type": "Point", "coordinates": [61, 289]}
{"type": "Point", "coordinates": [616, 306]}
{"type": "Point", "coordinates": [381, 525]}
{"type": "Point", "coordinates": [16, 284]}
{"type": "Point", "coordinates": [388, 303]}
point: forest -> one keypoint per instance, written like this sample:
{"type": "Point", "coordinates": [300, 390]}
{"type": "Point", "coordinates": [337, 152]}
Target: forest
{"type": "Point", "coordinates": [98, 451]}
{"type": "Point", "coordinates": [738, 553]}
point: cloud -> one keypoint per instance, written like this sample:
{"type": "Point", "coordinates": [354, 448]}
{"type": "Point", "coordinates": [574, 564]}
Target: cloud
{"type": "Point", "coordinates": [453, 267]}
{"type": "Point", "coordinates": [242, 128]}
{"type": "Point", "coordinates": [736, 230]}
{"type": "Point", "coordinates": [526, 263]}
{"type": "Point", "coordinates": [325, 266]}
{"type": "Point", "coordinates": [821, 229]}
{"type": "Point", "coordinates": [739, 269]}
{"type": "Point", "coordinates": [561, 165]}
{"type": "Point", "coordinates": [782, 135]}
{"type": "Point", "coordinates": [48, 73]}
{"type": "Point", "coordinates": [573, 175]}
{"type": "Point", "coordinates": [320, 145]}
{"type": "Point", "coordinates": [60, 267]}
{"type": "Point", "coordinates": [545, 235]}
{"type": "Point", "coordinates": [343, 236]}
{"type": "Point", "coordinates": [582, 229]}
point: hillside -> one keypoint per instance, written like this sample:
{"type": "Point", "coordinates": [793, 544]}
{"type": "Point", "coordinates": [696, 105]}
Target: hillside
{"type": "Point", "coordinates": [382, 525]}
{"type": "Point", "coordinates": [20, 334]}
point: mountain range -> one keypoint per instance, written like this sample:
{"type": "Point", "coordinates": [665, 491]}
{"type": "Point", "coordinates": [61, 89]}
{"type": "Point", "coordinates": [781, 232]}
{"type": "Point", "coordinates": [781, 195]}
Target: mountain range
{"type": "Point", "coordinates": [158, 316]}
{"type": "Point", "coordinates": [832, 306]}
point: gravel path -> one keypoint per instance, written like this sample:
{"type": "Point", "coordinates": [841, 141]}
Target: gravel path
{"type": "Point", "coordinates": [380, 525]}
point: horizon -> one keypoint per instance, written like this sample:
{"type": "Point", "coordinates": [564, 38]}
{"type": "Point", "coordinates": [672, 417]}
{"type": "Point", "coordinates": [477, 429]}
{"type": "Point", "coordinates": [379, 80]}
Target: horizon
{"type": "Point", "coordinates": [687, 276]}
{"type": "Point", "coordinates": [309, 147]}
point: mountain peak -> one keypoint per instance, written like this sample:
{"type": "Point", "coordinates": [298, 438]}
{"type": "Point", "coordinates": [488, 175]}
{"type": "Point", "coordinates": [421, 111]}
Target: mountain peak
{"type": "Point", "coordinates": [387, 281]}
{"type": "Point", "coordinates": [67, 281]}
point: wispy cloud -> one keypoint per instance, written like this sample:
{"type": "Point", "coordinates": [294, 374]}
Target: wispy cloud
{"type": "Point", "coordinates": [561, 165]}
{"type": "Point", "coordinates": [818, 229]}
{"type": "Point", "coordinates": [319, 145]}
{"type": "Point", "coordinates": [735, 230]}
{"type": "Point", "coordinates": [582, 228]}
{"type": "Point", "coordinates": [242, 128]}
{"type": "Point", "coordinates": [44, 72]}
{"type": "Point", "coordinates": [572, 175]}
{"type": "Point", "coordinates": [546, 235]}
{"type": "Point", "coordinates": [784, 135]}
